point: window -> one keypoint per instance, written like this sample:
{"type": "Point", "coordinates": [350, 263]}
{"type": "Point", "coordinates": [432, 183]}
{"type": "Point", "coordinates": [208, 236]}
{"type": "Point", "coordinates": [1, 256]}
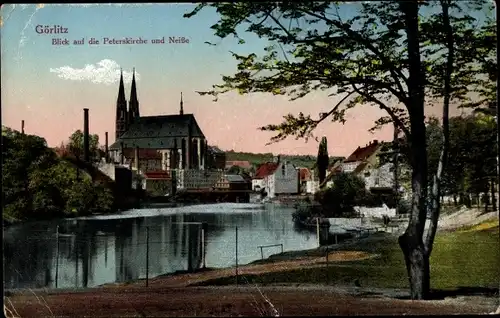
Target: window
{"type": "Point", "coordinates": [283, 170]}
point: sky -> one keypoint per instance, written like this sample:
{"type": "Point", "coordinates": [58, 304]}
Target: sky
{"type": "Point", "coordinates": [48, 85]}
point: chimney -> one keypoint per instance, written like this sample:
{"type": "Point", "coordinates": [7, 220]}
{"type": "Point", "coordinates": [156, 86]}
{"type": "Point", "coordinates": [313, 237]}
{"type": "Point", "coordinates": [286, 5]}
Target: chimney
{"type": "Point", "coordinates": [106, 149]}
{"type": "Point", "coordinates": [22, 126]}
{"type": "Point", "coordinates": [86, 149]}
{"type": "Point", "coordinates": [122, 159]}
{"type": "Point", "coordinates": [136, 160]}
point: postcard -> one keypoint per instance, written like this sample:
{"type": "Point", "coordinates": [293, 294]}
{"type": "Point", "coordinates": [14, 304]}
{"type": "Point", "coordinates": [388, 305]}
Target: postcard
{"type": "Point", "coordinates": [168, 146]}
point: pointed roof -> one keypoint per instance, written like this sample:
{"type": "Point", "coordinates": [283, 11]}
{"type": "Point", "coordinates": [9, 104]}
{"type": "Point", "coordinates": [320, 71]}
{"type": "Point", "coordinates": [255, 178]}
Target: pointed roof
{"type": "Point", "coordinates": [121, 89]}
{"type": "Point", "coordinates": [266, 169]}
{"type": "Point", "coordinates": [363, 153]}
{"type": "Point", "coordinates": [133, 89]}
{"type": "Point", "coordinates": [159, 132]}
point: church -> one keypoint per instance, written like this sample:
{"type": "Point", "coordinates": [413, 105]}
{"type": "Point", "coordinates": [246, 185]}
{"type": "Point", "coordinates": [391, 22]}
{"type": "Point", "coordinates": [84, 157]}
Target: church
{"type": "Point", "coordinates": [159, 143]}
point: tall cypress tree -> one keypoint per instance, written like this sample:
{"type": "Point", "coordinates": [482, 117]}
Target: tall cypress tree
{"type": "Point", "coordinates": [322, 160]}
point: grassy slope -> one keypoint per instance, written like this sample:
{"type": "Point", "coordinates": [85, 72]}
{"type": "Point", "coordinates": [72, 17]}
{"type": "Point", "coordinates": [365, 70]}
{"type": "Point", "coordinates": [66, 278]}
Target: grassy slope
{"type": "Point", "coordinates": [258, 158]}
{"type": "Point", "coordinates": [459, 259]}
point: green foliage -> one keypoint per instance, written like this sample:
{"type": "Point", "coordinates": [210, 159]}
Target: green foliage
{"type": "Point", "coordinates": [361, 59]}
{"type": "Point", "coordinates": [36, 184]}
{"type": "Point", "coordinates": [472, 153]}
{"type": "Point", "coordinates": [454, 264]}
{"type": "Point", "coordinates": [347, 190]}
{"type": "Point", "coordinates": [234, 170]}
{"type": "Point", "coordinates": [305, 212]}
{"type": "Point", "coordinates": [256, 159]}
{"type": "Point", "coordinates": [75, 144]}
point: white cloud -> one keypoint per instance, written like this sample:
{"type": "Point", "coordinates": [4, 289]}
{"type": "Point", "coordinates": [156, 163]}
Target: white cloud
{"type": "Point", "coordinates": [104, 72]}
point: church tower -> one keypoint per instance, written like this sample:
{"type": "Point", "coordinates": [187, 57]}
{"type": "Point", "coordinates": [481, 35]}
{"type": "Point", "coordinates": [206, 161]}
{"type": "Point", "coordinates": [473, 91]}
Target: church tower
{"type": "Point", "coordinates": [133, 103]}
{"type": "Point", "coordinates": [121, 110]}
{"type": "Point", "coordinates": [181, 111]}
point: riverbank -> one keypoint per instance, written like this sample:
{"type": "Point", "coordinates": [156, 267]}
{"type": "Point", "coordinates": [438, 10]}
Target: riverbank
{"type": "Point", "coordinates": [366, 267]}
{"type": "Point", "coordinates": [352, 282]}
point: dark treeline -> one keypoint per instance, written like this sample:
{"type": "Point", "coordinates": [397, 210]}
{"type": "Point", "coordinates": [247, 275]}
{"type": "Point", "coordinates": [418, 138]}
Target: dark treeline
{"type": "Point", "coordinates": [37, 183]}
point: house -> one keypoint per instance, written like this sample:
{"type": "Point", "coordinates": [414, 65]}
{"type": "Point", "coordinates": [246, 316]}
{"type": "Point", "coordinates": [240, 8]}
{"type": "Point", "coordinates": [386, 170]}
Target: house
{"type": "Point", "coordinates": [365, 163]}
{"type": "Point", "coordinates": [277, 178]}
{"type": "Point", "coordinates": [242, 164]}
{"type": "Point", "coordinates": [263, 171]}
{"type": "Point", "coordinates": [366, 155]}
{"type": "Point", "coordinates": [157, 183]}
{"type": "Point", "coordinates": [233, 182]}
{"type": "Point", "coordinates": [305, 176]}
{"type": "Point", "coordinates": [313, 185]}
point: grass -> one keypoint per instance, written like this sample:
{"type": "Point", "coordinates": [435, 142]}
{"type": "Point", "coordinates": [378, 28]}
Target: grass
{"type": "Point", "coordinates": [459, 259]}
{"type": "Point", "coordinates": [490, 224]}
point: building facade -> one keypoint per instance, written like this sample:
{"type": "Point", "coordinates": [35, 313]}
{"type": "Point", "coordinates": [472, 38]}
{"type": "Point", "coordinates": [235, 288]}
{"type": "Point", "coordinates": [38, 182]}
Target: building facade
{"type": "Point", "coordinates": [156, 142]}
{"type": "Point", "coordinates": [150, 145]}
{"type": "Point", "coordinates": [277, 178]}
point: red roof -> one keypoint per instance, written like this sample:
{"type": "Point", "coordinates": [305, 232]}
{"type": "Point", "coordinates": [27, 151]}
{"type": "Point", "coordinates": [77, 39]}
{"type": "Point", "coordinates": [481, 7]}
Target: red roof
{"type": "Point", "coordinates": [241, 164]}
{"type": "Point", "coordinates": [305, 174]}
{"type": "Point", "coordinates": [157, 174]}
{"type": "Point", "coordinates": [363, 153]}
{"type": "Point", "coordinates": [265, 169]}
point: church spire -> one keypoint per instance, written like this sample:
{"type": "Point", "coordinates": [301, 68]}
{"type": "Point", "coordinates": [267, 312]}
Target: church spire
{"type": "Point", "coordinates": [133, 102]}
{"type": "Point", "coordinates": [121, 109]}
{"type": "Point", "coordinates": [181, 112]}
{"type": "Point", "coordinates": [133, 90]}
{"type": "Point", "coordinates": [121, 89]}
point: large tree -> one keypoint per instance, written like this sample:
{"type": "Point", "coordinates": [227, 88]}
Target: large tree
{"type": "Point", "coordinates": [36, 184]}
{"type": "Point", "coordinates": [75, 144]}
{"type": "Point", "coordinates": [380, 57]}
{"type": "Point", "coordinates": [322, 160]}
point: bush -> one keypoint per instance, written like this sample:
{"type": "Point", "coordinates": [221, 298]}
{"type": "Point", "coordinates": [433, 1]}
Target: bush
{"type": "Point", "coordinates": [347, 191]}
{"type": "Point", "coordinates": [304, 212]}
{"type": "Point", "coordinates": [37, 184]}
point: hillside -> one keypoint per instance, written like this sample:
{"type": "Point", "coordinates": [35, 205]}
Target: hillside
{"type": "Point", "coordinates": [258, 158]}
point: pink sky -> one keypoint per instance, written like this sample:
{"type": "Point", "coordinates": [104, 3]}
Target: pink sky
{"type": "Point", "coordinates": [48, 86]}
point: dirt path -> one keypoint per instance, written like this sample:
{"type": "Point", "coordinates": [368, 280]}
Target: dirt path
{"type": "Point", "coordinates": [185, 280]}
{"type": "Point", "coordinates": [221, 301]}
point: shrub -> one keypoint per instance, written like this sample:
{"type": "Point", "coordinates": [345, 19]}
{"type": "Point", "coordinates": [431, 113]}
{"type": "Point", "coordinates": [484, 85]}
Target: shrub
{"type": "Point", "coordinates": [347, 190]}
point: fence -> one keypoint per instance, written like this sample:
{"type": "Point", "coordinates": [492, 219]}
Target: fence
{"type": "Point", "coordinates": [145, 252]}
{"type": "Point", "coordinates": [68, 259]}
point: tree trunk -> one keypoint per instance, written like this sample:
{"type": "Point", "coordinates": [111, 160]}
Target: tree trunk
{"type": "Point", "coordinates": [396, 168]}
{"type": "Point", "coordinates": [417, 262]}
{"type": "Point", "coordinates": [493, 196]}
{"type": "Point", "coordinates": [443, 156]}
{"type": "Point", "coordinates": [486, 201]}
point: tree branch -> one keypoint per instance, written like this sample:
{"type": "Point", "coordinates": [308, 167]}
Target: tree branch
{"type": "Point", "coordinates": [334, 109]}
{"type": "Point", "coordinates": [383, 106]}
{"type": "Point", "coordinates": [357, 37]}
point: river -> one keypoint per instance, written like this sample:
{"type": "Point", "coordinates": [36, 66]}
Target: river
{"type": "Point", "coordinates": [88, 252]}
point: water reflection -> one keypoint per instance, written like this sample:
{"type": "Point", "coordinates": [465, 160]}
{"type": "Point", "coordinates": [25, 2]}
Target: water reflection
{"type": "Point", "coordinates": [91, 252]}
